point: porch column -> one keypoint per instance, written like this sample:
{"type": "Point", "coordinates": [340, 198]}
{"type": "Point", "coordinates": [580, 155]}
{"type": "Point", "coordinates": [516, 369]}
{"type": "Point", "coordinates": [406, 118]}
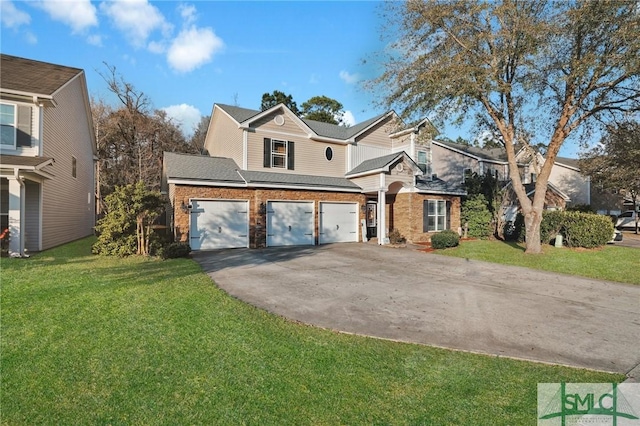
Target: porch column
{"type": "Point", "coordinates": [382, 210]}
{"type": "Point", "coordinates": [16, 216]}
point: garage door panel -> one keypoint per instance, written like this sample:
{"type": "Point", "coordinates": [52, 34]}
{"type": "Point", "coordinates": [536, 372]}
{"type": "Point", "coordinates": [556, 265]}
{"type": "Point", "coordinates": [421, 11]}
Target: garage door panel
{"type": "Point", "coordinates": [338, 223]}
{"type": "Point", "coordinates": [218, 224]}
{"type": "Point", "coordinates": [290, 223]}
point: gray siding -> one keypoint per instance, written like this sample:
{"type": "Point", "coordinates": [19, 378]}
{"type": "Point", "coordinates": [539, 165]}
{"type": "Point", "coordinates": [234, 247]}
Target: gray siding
{"type": "Point", "coordinates": [68, 202]}
{"type": "Point", "coordinates": [32, 216]}
{"type": "Point", "coordinates": [450, 165]}
{"type": "Point", "coordinates": [572, 183]}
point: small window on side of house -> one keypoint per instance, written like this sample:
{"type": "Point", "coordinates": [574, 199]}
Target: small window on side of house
{"type": "Point", "coordinates": [74, 167]}
{"type": "Point", "coordinates": [466, 174]}
{"type": "Point", "coordinates": [8, 125]}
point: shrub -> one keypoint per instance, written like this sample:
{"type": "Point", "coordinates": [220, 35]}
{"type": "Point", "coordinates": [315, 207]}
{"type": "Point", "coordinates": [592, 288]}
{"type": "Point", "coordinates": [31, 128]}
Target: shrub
{"type": "Point", "coordinates": [174, 250]}
{"type": "Point", "coordinates": [552, 222]}
{"type": "Point", "coordinates": [445, 239]}
{"type": "Point", "coordinates": [395, 237]}
{"type": "Point", "coordinates": [586, 230]}
{"type": "Point", "coordinates": [583, 208]}
{"type": "Point", "coordinates": [477, 216]}
{"type": "Point", "coordinates": [578, 229]}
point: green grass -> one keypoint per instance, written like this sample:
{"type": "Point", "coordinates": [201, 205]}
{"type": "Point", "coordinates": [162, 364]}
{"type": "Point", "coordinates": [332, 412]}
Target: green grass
{"type": "Point", "coordinates": [621, 264]}
{"type": "Point", "coordinates": [96, 340]}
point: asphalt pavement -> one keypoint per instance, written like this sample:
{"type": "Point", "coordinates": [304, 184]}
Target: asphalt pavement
{"type": "Point", "coordinates": [412, 296]}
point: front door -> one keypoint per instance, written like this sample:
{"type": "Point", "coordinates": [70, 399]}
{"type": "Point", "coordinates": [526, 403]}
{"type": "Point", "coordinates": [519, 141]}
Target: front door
{"type": "Point", "coordinates": [372, 219]}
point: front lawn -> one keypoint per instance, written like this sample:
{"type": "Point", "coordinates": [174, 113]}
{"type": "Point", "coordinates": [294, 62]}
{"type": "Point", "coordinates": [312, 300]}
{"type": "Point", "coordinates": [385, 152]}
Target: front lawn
{"type": "Point", "coordinates": [621, 264]}
{"type": "Point", "coordinates": [95, 340]}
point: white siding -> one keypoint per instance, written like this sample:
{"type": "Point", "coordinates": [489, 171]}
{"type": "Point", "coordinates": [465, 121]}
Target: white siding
{"type": "Point", "coordinates": [362, 152]}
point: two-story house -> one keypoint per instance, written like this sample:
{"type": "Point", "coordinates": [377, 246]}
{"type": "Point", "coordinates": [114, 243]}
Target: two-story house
{"type": "Point", "coordinates": [272, 178]}
{"type": "Point", "coordinates": [47, 150]}
{"type": "Point", "coordinates": [567, 186]}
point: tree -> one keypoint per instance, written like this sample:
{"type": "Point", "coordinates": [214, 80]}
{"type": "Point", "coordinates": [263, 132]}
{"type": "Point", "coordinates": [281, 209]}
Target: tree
{"type": "Point", "coordinates": [198, 137]}
{"type": "Point", "coordinates": [277, 97]}
{"type": "Point", "coordinates": [325, 109]}
{"type": "Point", "coordinates": [126, 228]}
{"type": "Point", "coordinates": [131, 138]}
{"type": "Point", "coordinates": [614, 164]}
{"type": "Point", "coordinates": [520, 68]}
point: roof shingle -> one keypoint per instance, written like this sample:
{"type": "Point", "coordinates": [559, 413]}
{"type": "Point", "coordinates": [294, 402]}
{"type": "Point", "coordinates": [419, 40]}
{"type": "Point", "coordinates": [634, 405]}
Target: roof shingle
{"type": "Point", "coordinates": [26, 75]}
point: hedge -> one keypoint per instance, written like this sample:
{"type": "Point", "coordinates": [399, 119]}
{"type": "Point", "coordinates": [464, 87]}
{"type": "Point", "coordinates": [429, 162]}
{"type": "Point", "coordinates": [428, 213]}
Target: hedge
{"type": "Point", "coordinates": [578, 229]}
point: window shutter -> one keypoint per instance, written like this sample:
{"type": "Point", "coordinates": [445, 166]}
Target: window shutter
{"type": "Point", "coordinates": [290, 155]}
{"type": "Point", "coordinates": [23, 132]}
{"type": "Point", "coordinates": [425, 216]}
{"type": "Point", "coordinates": [267, 152]}
{"type": "Point", "coordinates": [448, 217]}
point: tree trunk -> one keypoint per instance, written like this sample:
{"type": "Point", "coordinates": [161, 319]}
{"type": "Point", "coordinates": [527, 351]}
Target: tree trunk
{"type": "Point", "coordinates": [532, 221]}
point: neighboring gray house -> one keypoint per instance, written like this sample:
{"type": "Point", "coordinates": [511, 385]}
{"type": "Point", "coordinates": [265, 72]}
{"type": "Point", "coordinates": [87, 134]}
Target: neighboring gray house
{"type": "Point", "coordinates": [452, 161]}
{"type": "Point", "coordinates": [47, 152]}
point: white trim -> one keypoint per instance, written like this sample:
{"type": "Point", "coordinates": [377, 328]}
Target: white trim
{"type": "Point", "coordinates": [260, 185]}
{"type": "Point", "coordinates": [247, 123]}
{"type": "Point", "coordinates": [320, 222]}
{"type": "Point", "coordinates": [245, 149]}
{"type": "Point", "coordinates": [258, 130]}
{"type": "Point", "coordinates": [13, 147]}
{"type": "Point", "coordinates": [319, 138]}
{"type": "Point", "coordinates": [375, 123]}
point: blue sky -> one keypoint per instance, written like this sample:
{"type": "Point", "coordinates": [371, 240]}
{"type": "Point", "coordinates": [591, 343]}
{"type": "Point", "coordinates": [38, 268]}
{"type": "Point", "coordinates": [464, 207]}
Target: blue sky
{"type": "Point", "coordinates": [187, 55]}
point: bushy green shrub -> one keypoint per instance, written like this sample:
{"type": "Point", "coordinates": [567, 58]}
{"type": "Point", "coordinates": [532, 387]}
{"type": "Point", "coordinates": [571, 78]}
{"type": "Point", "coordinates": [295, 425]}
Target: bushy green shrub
{"type": "Point", "coordinates": [445, 239]}
{"type": "Point", "coordinates": [395, 237]}
{"type": "Point", "coordinates": [477, 216]}
{"type": "Point", "coordinates": [578, 229]}
{"type": "Point", "coordinates": [586, 230]}
{"type": "Point", "coordinates": [583, 208]}
{"type": "Point", "coordinates": [174, 250]}
{"type": "Point", "coordinates": [552, 222]}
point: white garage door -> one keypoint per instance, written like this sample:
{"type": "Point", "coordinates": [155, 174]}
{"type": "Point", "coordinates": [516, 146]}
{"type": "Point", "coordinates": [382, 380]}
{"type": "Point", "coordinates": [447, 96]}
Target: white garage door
{"type": "Point", "coordinates": [338, 223]}
{"type": "Point", "coordinates": [290, 223]}
{"type": "Point", "coordinates": [219, 224]}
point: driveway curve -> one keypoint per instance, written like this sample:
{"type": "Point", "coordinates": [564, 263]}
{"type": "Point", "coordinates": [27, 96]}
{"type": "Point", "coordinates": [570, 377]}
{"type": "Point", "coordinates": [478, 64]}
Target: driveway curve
{"type": "Point", "coordinates": [418, 297]}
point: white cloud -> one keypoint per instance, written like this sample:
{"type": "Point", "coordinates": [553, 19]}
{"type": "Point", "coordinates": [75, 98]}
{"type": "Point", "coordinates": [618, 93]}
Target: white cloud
{"type": "Point", "coordinates": [188, 13]}
{"type": "Point", "coordinates": [12, 17]}
{"type": "Point", "coordinates": [137, 19]}
{"type": "Point", "coordinates": [95, 40]}
{"type": "Point", "coordinates": [348, 118]}
{"type": "Point", "coordinates": [187, 116]}
{"type": "Point", "coordinates": [192, 48]}
{"type": "Point", "coordinates": [349, 78]}
{"type": "Point", "coordinates": [78, 14]}
{"type": "Point", "coordinates": [156, 47]}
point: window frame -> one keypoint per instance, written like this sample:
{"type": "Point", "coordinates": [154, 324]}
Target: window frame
{"type": "Point", "coordinates": [282, 155]}
{"type": "Point", "coordinates": [465, 174]}
{"type": "Point", "coordinates": [436, 215]}
{"type": "Point", "coordinates": [14, 126]}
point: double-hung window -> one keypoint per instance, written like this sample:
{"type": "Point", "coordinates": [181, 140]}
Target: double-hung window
{"type": "Point", "coordinates": [435, 216]}
{"type": "Point", "coordinates": [278, 154]}
{"type": "Point", "coordinates": [423, 163]}
{"type": "Point", "coordinates": [8, 125]}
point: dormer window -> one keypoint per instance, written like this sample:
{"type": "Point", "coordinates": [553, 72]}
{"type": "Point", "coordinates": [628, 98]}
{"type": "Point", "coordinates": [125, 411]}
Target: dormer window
{"type": "Point", "coordinates": [423, 163]}
{"type": "Point", "coordinates": [278, 154]}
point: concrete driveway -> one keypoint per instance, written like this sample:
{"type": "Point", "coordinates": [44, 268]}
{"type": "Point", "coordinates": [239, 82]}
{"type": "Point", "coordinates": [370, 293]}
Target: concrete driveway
{"type": "Point", "coordinates": [406, 295]}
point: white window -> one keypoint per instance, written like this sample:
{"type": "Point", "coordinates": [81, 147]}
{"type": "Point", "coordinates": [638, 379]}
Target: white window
{"type": "Point", "coordinates": [8, 125]}
{"type": "Point", "coordinates": [278, 154]}
{"type": "Point", "coordinates": [435, 217]}
{"type": "Point", "coordinates": [423, 163]}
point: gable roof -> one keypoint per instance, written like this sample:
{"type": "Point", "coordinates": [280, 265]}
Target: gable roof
{"type": "Point", "coordinates": [22, 76]}
{"type": "Point", "coordinates": [438, 186]}
{"type": "Point", "coordinates": [375, 164]}
{"type": "Point", "coordinates": [569, 162]}
{"type": "Point", "coordinates": [322, 129]}
{"type": "Point", "coordinates": [491, 154]}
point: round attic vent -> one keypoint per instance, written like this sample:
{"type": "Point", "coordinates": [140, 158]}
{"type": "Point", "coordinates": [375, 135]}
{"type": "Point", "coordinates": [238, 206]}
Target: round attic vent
{"type": "Point", "coordinates": [399, 167]}
{"type": "Point", "coordinates": [279, 120]}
